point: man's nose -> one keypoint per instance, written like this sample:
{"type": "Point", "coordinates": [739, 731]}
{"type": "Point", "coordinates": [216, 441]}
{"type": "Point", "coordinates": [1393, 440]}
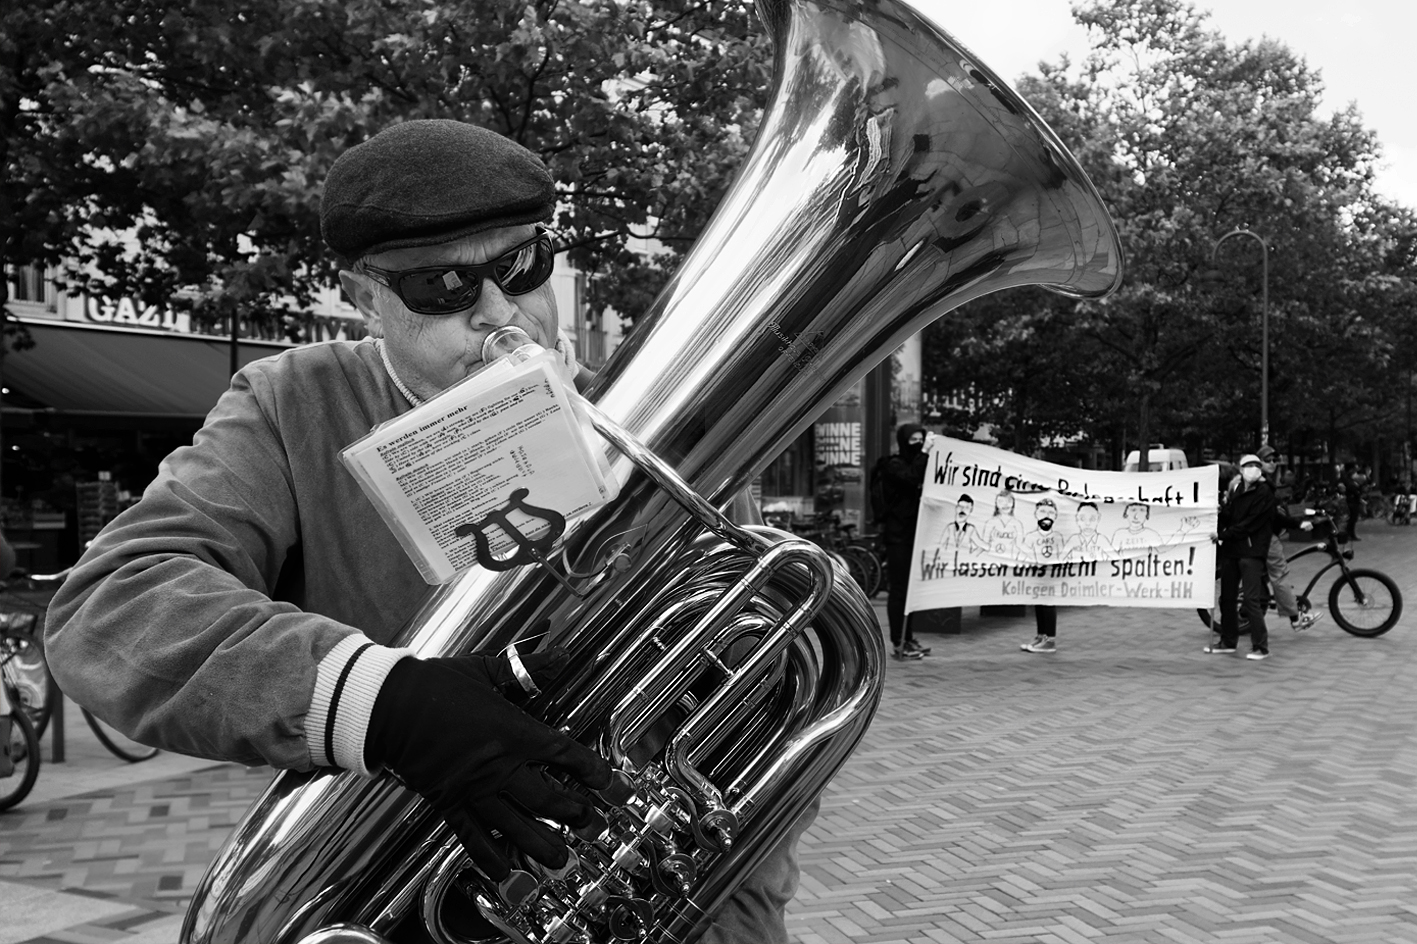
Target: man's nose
{"type": "Point", "coordinates": [493, 309]}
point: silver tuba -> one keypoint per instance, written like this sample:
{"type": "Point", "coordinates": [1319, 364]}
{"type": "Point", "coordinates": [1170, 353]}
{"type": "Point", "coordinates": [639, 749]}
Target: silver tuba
{"type": "Point", "coordinates": [727, 672]}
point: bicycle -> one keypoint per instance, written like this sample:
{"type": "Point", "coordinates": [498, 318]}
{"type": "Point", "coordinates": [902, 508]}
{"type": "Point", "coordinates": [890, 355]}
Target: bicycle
{"type": "Point", "coordinates": [1362, 601]}
{"type": "Point", "coordinates": [868, 570]}
{"type": "Point", "coordinates": [827, 532]}
{"type": "Point", "coordinates": [25, 672]}
{"type": "Point", "coordinates": [19, 750]}
{"type": "Point", "coordinates": [869, 547]}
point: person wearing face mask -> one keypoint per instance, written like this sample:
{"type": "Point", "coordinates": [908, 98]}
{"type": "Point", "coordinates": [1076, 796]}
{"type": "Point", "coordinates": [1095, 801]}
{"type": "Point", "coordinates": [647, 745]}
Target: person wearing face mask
{"type": "Point", "coordinates": [1276, 564]}
{"type": "Point", "coordinates": [245, 609]}
{"type": "Point", "coordinates": [1245, 529]}
{"type": "Point", "coordinates": [902, 482]}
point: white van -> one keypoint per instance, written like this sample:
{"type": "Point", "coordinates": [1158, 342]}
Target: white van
{"type": "Point", "coordinates": [1159, 456]}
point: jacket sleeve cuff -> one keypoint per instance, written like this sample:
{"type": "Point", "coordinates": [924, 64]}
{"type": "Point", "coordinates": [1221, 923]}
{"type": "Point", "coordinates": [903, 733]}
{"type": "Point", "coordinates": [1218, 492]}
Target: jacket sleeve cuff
{"type": "Point", "coordinates": [347, 681]}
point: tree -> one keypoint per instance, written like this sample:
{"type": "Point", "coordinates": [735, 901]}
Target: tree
{"type": "Point", "coordinates": [1188, 136]}
{"type": "Point", "coordinates": [176, 152]}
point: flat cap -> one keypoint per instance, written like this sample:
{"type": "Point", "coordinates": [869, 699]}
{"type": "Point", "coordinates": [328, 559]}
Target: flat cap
{"type": "Point", "coordinates": [1266, 452]}
{"type": "Point", "coordinates": [421, 183]}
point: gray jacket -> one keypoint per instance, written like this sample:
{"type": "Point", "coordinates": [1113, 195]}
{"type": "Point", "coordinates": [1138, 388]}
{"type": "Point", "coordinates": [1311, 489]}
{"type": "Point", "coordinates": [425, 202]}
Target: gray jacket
{"type": "Point", "coordinates": [198, 618]}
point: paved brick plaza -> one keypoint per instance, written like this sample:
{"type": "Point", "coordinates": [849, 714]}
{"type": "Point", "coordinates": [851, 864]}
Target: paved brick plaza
{"type": "Point", "coordinates": [1131, 788]}
{"type": "Point", "coordinates": [1128, 788]}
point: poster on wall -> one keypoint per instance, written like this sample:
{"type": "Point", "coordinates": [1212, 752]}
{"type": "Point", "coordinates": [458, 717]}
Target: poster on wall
{"type": "Point", "coordinates": [838, 441]}
{"type": "Point", "coordinates": [999, 528]}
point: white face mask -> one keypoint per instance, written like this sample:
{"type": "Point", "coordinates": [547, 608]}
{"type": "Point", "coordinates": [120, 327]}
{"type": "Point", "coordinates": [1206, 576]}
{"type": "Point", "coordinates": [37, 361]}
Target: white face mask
{"type": "Point", "coordinates": [1250, 473]}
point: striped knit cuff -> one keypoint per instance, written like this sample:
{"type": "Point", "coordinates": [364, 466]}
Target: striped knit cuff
{"type": "Point", "coordinates": [347, 681]}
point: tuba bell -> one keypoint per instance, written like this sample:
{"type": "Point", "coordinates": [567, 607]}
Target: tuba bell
{"type": "Point", "coordinates": [727, 672]}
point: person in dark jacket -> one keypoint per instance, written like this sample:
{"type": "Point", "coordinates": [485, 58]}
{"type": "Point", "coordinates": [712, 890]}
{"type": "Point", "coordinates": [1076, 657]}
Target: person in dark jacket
{"type": "Point", "coordinates": [902, 482]}
{"type": "Point", "coordinates": [1246, 527]}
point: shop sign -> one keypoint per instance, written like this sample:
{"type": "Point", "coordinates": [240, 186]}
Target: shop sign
{"type": "Point", "coordinates": [306, 327]}
{"type": "Point", "coordinates": [125, 311]}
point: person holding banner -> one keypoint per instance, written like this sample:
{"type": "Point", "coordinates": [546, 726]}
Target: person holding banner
{"type": "Point", "coordinates": [902, 481]}
{"type": "Point", "coordinates": [1245, 528]}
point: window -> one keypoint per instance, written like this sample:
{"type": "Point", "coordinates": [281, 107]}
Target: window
{"type": "Point", "coordinates": [30, 284]}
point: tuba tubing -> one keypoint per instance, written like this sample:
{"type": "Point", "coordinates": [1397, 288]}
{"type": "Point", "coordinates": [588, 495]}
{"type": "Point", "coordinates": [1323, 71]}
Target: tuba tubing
{"type": "Point", "coordinates": [727, 671]}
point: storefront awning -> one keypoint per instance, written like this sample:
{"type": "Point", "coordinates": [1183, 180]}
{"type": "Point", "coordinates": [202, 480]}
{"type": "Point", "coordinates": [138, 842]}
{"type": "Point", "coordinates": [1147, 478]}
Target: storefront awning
{"type": "Point", "coordinates": [91, 369]}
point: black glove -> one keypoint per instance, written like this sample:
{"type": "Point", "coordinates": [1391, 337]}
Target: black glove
{"type": "Point", "coordinates": [443, 727]}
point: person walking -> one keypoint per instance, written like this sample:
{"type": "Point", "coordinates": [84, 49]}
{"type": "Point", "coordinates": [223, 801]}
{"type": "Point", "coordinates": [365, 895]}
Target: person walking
{"type": "Point", "coordinates": [902, 482]}
{"type": "Point", "coordinates": [1246, 526]}
{"type": "Point", "coordinates": [1276, 562]}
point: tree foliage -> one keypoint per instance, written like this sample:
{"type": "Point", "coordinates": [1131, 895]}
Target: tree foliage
{"type": "Point", "coordinates": [1188, 137]}
{"type": "Point", "coordinates": [176, 151]}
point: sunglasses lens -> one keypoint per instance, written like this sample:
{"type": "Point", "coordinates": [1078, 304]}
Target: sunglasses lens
{"type": "Point", "coordinates": [435, 293]}
{"type": "Point", "coordinates": [521, 271]}
{"type": "Point", "coordinates": [444, 291]}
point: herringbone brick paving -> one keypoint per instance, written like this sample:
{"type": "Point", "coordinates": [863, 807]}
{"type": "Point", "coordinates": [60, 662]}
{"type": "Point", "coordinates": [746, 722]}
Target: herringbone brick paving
{"type": "Point", "coordinates": [1131, 788]}
{"type": "Point", "coordinates": [1127, 789]}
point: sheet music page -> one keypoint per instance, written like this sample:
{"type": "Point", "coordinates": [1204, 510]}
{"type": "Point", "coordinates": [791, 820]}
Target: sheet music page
{"type": "Point", "coordinates": [458, 459]}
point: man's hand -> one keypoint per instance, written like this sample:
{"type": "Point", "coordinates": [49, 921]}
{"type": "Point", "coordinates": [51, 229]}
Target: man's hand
{"type": "Point", "coordinates": [443, 727]}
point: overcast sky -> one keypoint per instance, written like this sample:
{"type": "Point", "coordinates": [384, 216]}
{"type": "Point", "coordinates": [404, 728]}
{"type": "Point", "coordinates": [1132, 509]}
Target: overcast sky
{"type": "Point", "coordinates": [1362, 48]}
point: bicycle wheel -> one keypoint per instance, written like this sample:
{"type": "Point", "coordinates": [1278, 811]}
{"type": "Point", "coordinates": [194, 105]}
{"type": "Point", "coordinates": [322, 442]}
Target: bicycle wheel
{"type": "Point", "coordinates": [24, 751]}
{"type": "Point", "coordinates": [27, 678]}
{"type": "Point", "coordinates": [1365, 603]}
{"type": "Point", "coordinates": [853, 567]}
{"type": "Point", "coordinates": [118, 743]}
{"type": "Point", "coordinates": [865, 569]}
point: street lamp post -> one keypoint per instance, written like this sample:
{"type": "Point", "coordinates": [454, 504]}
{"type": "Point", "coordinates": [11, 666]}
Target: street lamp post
{"type": "Point", "coordinates": [1264, 322]}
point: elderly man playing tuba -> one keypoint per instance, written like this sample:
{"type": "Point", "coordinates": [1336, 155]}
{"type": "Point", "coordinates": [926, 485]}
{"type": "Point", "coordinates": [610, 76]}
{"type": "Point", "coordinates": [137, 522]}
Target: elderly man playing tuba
{"type": "Point", "coordinates": [242, 610]}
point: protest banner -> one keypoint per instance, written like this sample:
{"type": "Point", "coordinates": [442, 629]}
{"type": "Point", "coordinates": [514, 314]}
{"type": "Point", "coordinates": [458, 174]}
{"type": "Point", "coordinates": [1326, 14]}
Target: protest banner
{"type": "Point", "coordinates": [996, 527]}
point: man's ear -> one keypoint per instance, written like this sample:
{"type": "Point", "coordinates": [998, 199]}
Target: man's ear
{"type": "Point", "coordinates": [360, 289]}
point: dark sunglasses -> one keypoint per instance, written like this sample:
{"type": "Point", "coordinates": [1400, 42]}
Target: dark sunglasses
{"type": "Point", "coordinates": [443, 290]}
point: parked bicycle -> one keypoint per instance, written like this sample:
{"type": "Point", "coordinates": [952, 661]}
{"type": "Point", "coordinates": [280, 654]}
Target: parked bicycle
{"type": "Point", "coordinates": [19, 749]}
{"type": "Point", "coordinates": [860, 550]}
{"type": "Point", "coordinates": [27, 681]}
{"type": "Point", "coordinates": [1362, 601]}
{"type": "Point", "coordinates": [855, 554]}
{"type": "Point", "coordinates": [25, 673]}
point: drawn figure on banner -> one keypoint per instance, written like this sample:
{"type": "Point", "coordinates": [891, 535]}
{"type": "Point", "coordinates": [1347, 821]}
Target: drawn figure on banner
{"type": "Point", "coordinates": [1003, 532]}
{"type": "Point", "coordinates": [960, 534]}
{"type": "Point", "coordinates": [1137, 535]}
{"type": "Point", "coordinates": [1044, 544]}
{"type": "Point", "coordinates": [1088, 544]}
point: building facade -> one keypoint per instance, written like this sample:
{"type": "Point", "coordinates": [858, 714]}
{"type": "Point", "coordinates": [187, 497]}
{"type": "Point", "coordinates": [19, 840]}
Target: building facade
{"type": "Point", "coordinates": [98, 390]}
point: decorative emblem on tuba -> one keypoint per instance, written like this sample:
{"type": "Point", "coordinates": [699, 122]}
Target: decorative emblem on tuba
{"type": "Point", "coordinates": [727, 672]}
